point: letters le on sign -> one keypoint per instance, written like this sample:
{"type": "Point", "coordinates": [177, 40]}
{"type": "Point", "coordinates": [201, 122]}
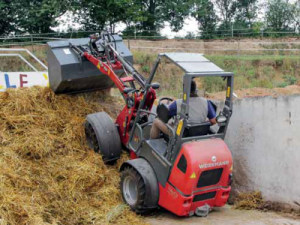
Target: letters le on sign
{"type": "Point", "coordinates": [22, 79]}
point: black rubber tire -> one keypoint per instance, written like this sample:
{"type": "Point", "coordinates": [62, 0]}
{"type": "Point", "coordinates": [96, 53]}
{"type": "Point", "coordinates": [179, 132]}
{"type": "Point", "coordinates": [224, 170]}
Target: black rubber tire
{"type": "Point", "coordinates": [138, 206]}
{"type": "Point", "coordinates": [102, 135]}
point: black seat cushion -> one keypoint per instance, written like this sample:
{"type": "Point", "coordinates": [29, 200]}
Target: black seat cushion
{"type": "Point", "coordinates": [163, 112]}
{"type": "Point", "coordinates": [197, 129]}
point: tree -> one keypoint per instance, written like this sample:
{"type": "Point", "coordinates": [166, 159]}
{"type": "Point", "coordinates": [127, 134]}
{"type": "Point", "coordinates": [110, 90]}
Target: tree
{"type": "Point", "coordinates": [227, 10]}
{"type": "Point", "coordinates": [7, 17]}
{"type": "Point", "coordinates": [38, 16]}
{"type": "Point", "coordinates": [296, 17]}
{"type": "Point", "coordinates": [148, 16]}
{"type": "Point", "coordinates": [98, 14]}
{"type": "Point", "coordinates": [279, 15]}
{"type": "Point", "coordinates": [204, 13]}
{"type": "Point", "coordinates": [246, 13]}
{"type": "Point", "coordinates": [175, 12]}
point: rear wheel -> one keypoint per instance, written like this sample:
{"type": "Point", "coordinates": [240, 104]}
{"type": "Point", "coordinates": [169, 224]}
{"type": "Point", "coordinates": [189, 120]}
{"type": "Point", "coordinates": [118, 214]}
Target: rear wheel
{"type": "Point", "coordinates": [102, 135]}
{"type": "Point", "coordinates": [133, 190]}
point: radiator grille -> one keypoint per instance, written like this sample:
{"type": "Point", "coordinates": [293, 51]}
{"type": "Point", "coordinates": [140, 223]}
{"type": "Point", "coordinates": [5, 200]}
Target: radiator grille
{"type": "Point", "coordinates": [209, 177]}
{"type": "Point", "coordinates": [205, 196]}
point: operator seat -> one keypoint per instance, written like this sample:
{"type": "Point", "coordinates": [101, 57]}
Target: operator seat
{"type": "Point", "coordinates": [191, 130]}
{"type": "Point", "coordinates": [197, 129]}
{"type": "Point", "coordinates": [163, 112]}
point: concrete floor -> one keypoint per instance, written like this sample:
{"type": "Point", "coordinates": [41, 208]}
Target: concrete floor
{"type": "Point", "coordinates": [226, 216]}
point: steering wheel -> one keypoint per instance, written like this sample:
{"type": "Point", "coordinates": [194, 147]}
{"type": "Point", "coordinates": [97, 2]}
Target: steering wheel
{"type": "Point", "coordinates": [162, 109]}
{"type": "Point", "coordinates": [165, 98]}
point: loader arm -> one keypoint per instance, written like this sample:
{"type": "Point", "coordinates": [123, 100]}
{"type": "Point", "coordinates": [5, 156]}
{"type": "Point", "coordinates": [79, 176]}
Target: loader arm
{"type": "Point", "coordinates": [107, 70]}
{"type": "Point", "coordinates": [107, 66]}
{"type": "Point", "coordinates": [107, 61]}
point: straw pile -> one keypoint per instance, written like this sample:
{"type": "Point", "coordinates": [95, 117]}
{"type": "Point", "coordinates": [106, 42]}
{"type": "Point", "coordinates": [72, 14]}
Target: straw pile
{"type": "Point", "coordinates": [47, 173]}
{"type": "Point", "coordinates": [249, 200]}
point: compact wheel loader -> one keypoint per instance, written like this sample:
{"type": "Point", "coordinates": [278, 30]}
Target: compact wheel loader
{"type": "Point", "coordinates": [187, 172]}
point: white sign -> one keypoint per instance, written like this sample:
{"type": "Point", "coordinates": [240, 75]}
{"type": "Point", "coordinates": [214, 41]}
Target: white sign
{"type": "Point", "coordinates": [23, 79]}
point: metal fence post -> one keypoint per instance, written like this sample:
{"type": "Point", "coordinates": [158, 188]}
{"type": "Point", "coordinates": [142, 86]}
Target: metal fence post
{"type": "Point", "coordinates": [32, 49]}
{"type": "Point", "coordinates": [128, 43]}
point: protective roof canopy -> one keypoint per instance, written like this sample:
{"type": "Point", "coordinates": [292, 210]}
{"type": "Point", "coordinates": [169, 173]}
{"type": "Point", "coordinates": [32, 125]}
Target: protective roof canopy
{"type": "Point", "coordinates": [193, 63]}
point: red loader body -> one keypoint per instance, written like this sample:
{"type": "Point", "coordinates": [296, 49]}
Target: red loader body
{"type": "Point", "coordinates": [206, 179]}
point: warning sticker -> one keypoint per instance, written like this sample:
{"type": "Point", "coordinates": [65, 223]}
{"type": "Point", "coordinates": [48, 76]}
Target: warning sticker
{"type": "Point", "coordinates": [228, 92]}
{"type": "Point", "coordinates": [193, 176]}
{"type": "Point", "coordinates": [179, 127]}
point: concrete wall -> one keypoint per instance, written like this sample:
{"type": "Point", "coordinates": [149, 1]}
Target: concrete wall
{"type": "Point", "coordinates": [264, 137]}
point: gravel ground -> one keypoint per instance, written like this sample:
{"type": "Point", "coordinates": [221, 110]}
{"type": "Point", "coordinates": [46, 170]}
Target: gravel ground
{"type": "Point", "coordinates": [226, 216]}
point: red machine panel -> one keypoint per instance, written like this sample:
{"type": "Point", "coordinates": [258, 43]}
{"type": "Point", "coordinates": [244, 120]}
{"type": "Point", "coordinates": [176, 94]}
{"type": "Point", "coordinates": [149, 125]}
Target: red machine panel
{"type": "Point", "coordinates": [201, 175]}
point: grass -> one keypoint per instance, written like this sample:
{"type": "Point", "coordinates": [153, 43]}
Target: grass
{"type": "Point", "coordinates": [259, 71]}
{"type": "Point", "coordinates": [250, 71]}
{"type": "Point", "coordinates": [281, 46]}
{"type": "Point", "coordinates": [14, 64]}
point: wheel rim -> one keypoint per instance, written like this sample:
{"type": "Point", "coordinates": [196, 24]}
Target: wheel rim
{"type": "Point", "coordinates": [91, 137]}
{"type": "Point", "coordinates": [130, 191]}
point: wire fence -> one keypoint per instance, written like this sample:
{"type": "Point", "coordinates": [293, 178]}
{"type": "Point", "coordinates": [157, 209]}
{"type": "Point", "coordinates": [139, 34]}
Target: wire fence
{"type": "Point", "coordinates": [248, 32]}
{"type": "Point", "coordinates": [159, 43]}
{"type": "Point", "coordinates": [150, 35]}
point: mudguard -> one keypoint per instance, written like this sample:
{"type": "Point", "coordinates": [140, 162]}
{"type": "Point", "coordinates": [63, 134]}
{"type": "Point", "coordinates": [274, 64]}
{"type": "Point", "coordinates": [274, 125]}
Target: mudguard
{"type": "Point", "coordinates": [144, 168]}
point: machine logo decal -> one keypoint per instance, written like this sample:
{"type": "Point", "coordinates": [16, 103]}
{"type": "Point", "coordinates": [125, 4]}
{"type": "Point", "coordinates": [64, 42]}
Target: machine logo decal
{"type": "Point", "coordinates": [193, 176]}
{"type": "Point", "coordinates": [214, 158]}
{"type": "Point", "coordinates": [172, 193]}
{"type": "Point", "coordinates": [214, 164]}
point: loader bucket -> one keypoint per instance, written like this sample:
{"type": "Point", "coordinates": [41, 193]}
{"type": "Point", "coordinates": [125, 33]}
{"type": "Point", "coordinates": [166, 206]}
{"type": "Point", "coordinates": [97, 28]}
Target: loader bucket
{"type": "Point", "coordinates": [68, 74]}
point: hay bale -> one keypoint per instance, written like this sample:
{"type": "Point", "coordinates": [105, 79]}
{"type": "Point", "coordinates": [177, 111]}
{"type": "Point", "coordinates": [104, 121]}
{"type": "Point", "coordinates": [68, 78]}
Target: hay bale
{"type": "Point", "coordinates": [48, 175]}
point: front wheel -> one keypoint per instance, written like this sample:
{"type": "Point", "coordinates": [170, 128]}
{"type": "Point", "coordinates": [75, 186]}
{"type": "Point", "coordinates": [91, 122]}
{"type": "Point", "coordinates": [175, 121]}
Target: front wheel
{"type": "Point", "coordinates": [133, 189]}
{"type": "Point", "coordinates": [102, 135]}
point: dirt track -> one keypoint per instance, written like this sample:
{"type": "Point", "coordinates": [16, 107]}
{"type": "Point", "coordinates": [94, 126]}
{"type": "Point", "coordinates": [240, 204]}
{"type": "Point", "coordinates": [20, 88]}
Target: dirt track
{"type": "Point", "coordinates": [225, 216]}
